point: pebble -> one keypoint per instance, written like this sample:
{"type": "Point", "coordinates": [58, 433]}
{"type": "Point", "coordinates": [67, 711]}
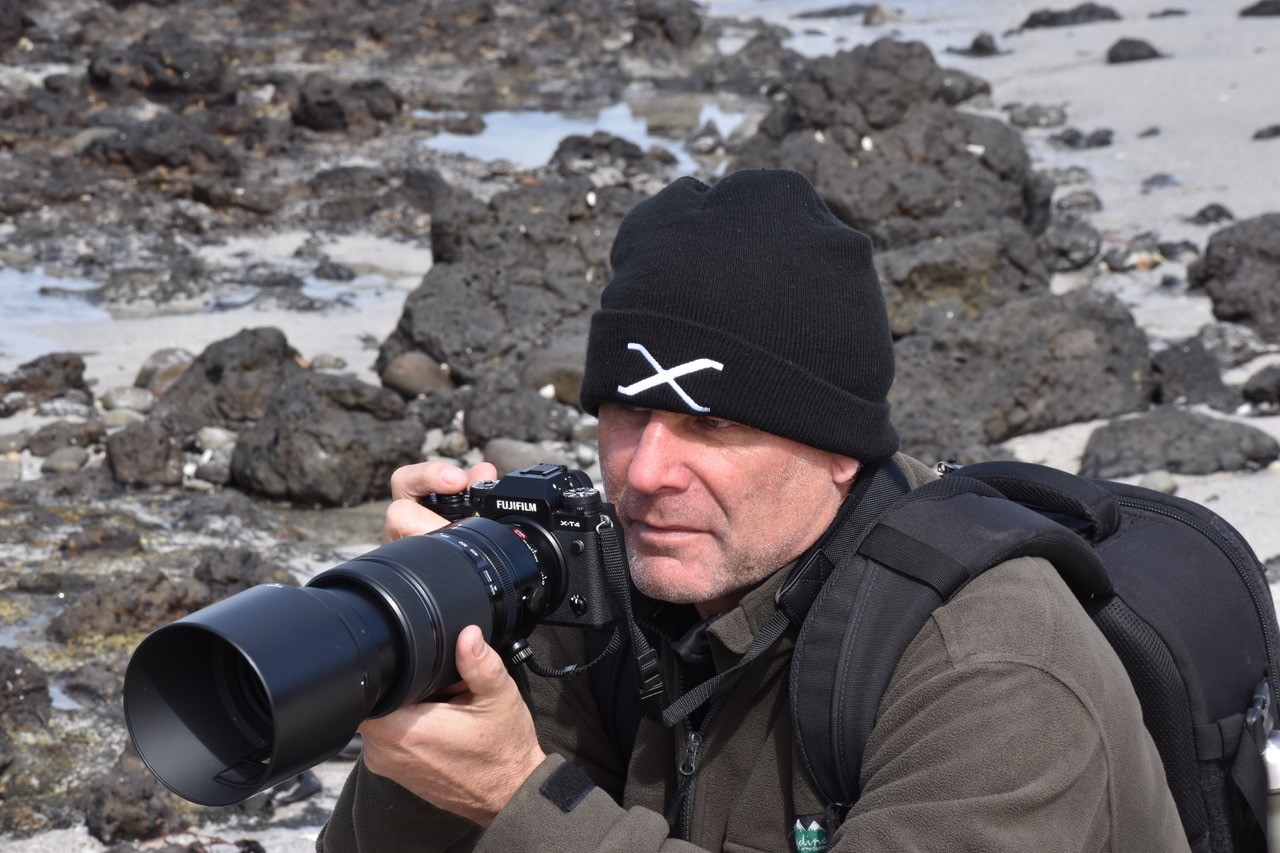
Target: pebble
{"type": "Point", "coordinates": [65, 460]}
{"type": "Point", "coordinates": [1159, 481]}
{"type": "Point", "coordinates": [128, 397]}
{"type": "Point", "coordinates": [214, 438]}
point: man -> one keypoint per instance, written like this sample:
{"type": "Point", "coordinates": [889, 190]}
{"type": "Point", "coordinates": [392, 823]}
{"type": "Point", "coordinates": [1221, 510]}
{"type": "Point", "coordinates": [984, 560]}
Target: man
{"type": "Point", "coordinates": [739, 367]}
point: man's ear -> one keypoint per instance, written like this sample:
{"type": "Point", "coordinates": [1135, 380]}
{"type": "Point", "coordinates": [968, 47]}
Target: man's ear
{"type": "Point", "coordinates": [844, 470]}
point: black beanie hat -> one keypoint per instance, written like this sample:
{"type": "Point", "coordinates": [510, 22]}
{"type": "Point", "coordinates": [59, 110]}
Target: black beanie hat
{"type": "Point", "coordinates": [749, 301]}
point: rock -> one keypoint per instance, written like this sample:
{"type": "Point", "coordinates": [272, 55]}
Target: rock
{"type": "Point", "coordinates": [871, 129]}
{"type": "Point", "coordinates": [165, 143]}
{"type": "Point", "coordinates": [128, 397]}
{"type": "Point", "coordinates": [1075, 138]}
{"type": "Point", "coordinates": [1233, 344]}
{"type": "Point", "coordinates": [413, 373]}
{"type": "Point", "coordinates": [503, 407]}
{"type": "Point", "coordinates": [1038, 115]}
{"type": "Point", "coordinates": [1178, 441]}
{"type": "Point", "coordinates": [163, 368]}
{"type": "Point", "coordinates": [1085, 13]}
{"type": "Point", "coordinates": [215, 465]}
{"type": "Point", "coordinates": [326, 440]}
{"type": "Point", "coordinates": [1239, 269]}
{"type": "Point", "coordinates": [526, 269]}
{"type": "Point", "coordinates": [560, 365]}
{"type": "Point", "coordinates": [61, 434]}
{"type": "Point", "coordinates": [64, 460]}
{"type": "Point", "coordinates": [1068, 244]}
{"type": "Point", "coordinates": [508, 455]}
{"type": "Point", "coordinates": [1078, 203]}
{"type": "Point", "coordinates": [1030, 365]}
{"type": "Point", "coordinates": [128, 802]}
{"type": "Point", "coordinates": [1159, 481]}
{"type": "Point", "coordinates": [959, 86]}
{"type": "Point", "coordinates": [1186, 372]}
{"type": "Point", "coordinates": [214, 438]}
{"type": "Point", "coordinates": [230, 384]}
{"type": "Point", "coordinates": [326, 105]}
{"type": "Point", "coordinates": [1263, 387]}
{"type": "Point", "coordinates": [167, 64]}
{"type": "Point", "coordinates": [1131, 50]}
{"type": "Point", "coordinates": [44, 378]}
{"type": "Point", "coordinates": [146, 454]}
{"type": "Point", "coordinates": [958, 278]}
{"type": "Point", "coordinates": [1261, 8]}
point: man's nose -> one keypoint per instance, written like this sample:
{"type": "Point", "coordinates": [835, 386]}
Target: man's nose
{"type": "Point", "coordinates": [660, 458]}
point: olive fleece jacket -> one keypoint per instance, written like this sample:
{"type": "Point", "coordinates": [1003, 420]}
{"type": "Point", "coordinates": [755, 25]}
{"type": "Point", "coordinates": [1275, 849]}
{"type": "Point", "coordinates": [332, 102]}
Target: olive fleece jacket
{"type": "Point", "coordinates": [1009, 725]}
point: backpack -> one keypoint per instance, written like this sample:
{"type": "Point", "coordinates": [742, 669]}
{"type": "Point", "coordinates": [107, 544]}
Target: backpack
{"type": "Point", "coordinates": [1176, 590]}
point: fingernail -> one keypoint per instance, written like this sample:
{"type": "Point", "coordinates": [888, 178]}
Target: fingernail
{"type": "Point", "coordinates": [478, 648]}
{"type": "Point", "coordinates": [454, 477]}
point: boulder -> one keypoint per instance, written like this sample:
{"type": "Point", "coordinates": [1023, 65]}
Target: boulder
{"type": "Point", "coordinates": [326, 439]}
{"type": "Point", "coordinates": [1178, 441]}
{"type": "Point", "coordinates": [1028, 366]}
{"type": "Point", "coordinates": [1239, 271]}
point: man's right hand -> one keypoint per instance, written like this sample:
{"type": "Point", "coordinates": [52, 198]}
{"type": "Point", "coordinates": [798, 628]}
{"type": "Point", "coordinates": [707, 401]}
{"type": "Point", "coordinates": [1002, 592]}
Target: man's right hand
{"type": "Point", "coordinates": [406, 516]}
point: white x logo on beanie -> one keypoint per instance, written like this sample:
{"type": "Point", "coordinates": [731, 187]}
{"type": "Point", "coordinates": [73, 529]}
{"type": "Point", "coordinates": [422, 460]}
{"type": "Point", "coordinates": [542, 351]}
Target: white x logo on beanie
{"type": "Point", "coordinates": [662, 375]}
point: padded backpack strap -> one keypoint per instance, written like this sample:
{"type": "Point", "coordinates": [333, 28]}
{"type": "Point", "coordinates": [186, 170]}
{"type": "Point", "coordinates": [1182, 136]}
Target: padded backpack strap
{"type": "Point", "coordinates": [919, 553]}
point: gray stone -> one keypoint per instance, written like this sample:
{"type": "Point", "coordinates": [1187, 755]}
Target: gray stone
{"type": "Point", "coordinates": [413, 373]}
{"type": "Point", "coordinates": [508, 455]}
{"type": "Point", "coordinates": [163, 368]}
{"type": "Point", "coordinates": [64, 460]}
{"type": "Point", "coordinates": [214, 438]}
{"type": "Point", "coordinates": [128, 397]}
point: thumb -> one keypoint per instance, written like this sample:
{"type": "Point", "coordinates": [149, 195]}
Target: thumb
{"type": "Point", "coordinates": [478, 664]}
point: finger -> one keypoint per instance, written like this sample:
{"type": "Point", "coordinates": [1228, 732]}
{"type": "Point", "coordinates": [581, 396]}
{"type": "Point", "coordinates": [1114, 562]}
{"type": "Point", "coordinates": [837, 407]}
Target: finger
{"type": "Point", "coordinates": [407, 517]}
{"type": "Point", "coordinates": [482, 471]}
{"type": "Point", "coordinates": [413, 482]}
{"type": "Point", "coordinates": [480, 666]}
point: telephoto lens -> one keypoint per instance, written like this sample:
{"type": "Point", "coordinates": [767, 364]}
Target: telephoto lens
{"type": "Point", "coordinates": [248, 692]}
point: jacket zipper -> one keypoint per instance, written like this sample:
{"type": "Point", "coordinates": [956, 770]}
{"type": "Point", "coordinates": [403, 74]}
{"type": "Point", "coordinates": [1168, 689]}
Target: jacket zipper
{"type": "Point", "coordinates": [690, 764]}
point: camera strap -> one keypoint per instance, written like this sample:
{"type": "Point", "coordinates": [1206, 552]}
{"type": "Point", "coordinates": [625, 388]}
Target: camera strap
{"type": "Point", "coordinates": [618, 575]}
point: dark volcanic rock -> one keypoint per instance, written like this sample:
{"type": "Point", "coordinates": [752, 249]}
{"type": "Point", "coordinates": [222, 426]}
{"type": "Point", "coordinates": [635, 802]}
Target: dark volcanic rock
{"type": "Point", "coordinates": [59, 434]}
{"type": "Point", "coordinates": [1131, 50]}
{"type": "Point", "coordinates": [1261, 8]}
{"type": "Point", "coordinates": [1027, 366]}
{"type": "Point", "coordinates": [147, 453]}
{"type": "Point", "coordinates": [168, 65]}
{"type": "Point", "coordinates": [1263, 387]}
{"type": "Point", "coordinates": [328, 440]}
{"type": "Point", "coordinates": [168, 142]}
{"type": "Point", "coordinates": [231, 383]}
{"type": "Point", "coordinates": [1069, 243]}
{"type": "Point", "coordinates": [1177, 441]}
{"type": "Point", "coordinates": [44, 378]}
{"type": "Point", "coordinates": [324, 104]}
{"type": "Point", "coordinates": [502, 407]}
{"type": "Point", "coordinates": [871, 129]}
{"type": "Point", "coordinates": [1186, 372]}
{"type": "Point", "coordinates": [1085, 13]}
{"type": "Point", "coordinates": [957, 279]}
{"type": "Point", "coordinates": [511, 276]}
{"type": "Point", "coordinates": [1239, 270]}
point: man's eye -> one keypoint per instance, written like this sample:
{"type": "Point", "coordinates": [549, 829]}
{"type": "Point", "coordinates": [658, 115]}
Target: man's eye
{"type": "Point", "coordinates": [716, 423]}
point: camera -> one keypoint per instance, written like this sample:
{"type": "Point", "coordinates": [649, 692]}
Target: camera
{"type": "Point", "coordinates": [254, 689]}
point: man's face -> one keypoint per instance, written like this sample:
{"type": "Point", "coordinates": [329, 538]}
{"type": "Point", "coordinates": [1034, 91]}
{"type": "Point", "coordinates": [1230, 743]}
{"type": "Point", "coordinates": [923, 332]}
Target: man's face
{"type": "Point", "coordinates": [710, 507]}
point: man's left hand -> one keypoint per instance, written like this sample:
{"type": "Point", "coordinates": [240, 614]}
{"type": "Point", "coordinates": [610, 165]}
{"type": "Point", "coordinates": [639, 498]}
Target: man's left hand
{"type": "Point", "coordinates": [468, 755]}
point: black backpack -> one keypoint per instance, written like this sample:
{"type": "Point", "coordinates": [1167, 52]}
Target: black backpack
{"type": "Point", "coordinates": [1176, 590]}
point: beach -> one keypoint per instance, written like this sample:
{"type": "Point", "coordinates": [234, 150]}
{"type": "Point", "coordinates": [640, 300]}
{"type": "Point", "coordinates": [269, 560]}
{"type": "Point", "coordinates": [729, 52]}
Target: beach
{"type": "Point", "coordinates": [1182, 126]}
